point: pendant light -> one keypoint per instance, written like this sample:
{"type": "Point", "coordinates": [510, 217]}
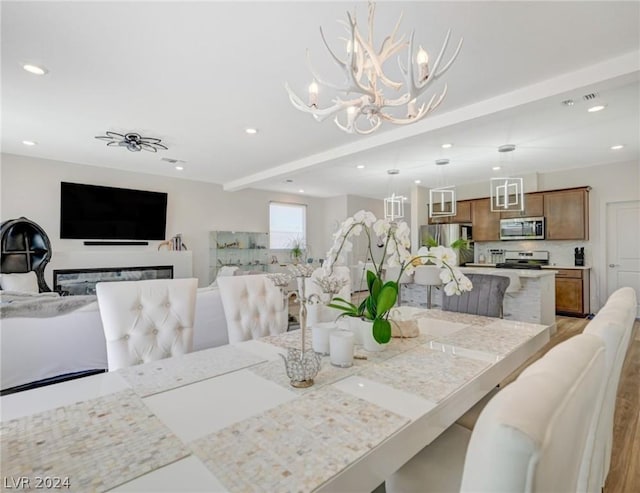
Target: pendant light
{"type": "Point", "coordinates": [442, 200]}
{"type": "Point", "coordinates": [507, 193]}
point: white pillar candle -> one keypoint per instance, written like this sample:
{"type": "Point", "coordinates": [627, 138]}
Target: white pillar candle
{"type": "Point", "coordinates": [320, 336]}
{"type": "Point", "coordinates": [341, 348]}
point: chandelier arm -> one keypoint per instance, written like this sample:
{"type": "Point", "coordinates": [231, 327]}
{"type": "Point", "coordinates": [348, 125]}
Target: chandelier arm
{"type": "Point", "coordinates": [354, 71]}
{"type": "Point", "coordinates": [375, 127]}
{"type": "Point", "coordinates": [320, 80]}
{"type": "Point", "coordinates": [355, 85]}
{"type": "Point", "coordinates": [318, 113]}
{"type": "Point", "coordinates": [436, 72]}
{"type": "Point", "coordinates": [377, 60]}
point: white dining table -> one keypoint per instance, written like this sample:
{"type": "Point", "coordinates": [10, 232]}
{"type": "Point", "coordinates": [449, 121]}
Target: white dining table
{"type": "Point", "coordinates": [226, 419]}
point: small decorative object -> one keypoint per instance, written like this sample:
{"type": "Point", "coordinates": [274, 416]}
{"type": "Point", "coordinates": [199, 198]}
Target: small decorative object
{"type": "Point", "coordinates": [320, 337]}
{"type": "Point", "coordinates": [132, 141]}
{"type": "Point", "coordinates": [341, 348]}
{"type": "Point", "coordinates": [402, 326]}
{"type": "Point", "coordinates": [365, 104]}
{"type": "Point", "coordinates": [302, 364]}
{"type": "Point", "coordinates": [395, 237]}
{"type": "Point", "coordinates": [297, 250]}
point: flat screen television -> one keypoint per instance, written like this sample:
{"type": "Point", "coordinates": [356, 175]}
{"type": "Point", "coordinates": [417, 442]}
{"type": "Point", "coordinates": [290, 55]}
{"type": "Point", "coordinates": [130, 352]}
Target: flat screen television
{"type": "Point", "coordinates": [90, 212]}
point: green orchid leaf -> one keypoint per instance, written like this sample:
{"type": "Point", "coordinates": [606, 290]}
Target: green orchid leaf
{"type": "Point", "coordinates": [371, 277]}
{"type": "Point", "coordinates": [387, 297]}
{"type": "Point", "coordinates": [381, 331]}
{"type": "Point", "coordinates": [371, 307]}
{"type": "Point", "coordinates": [362, 307]}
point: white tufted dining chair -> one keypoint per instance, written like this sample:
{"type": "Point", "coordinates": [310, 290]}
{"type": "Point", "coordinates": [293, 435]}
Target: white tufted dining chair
{"type": "Point", "coordinates": [146, 320]}
{"type": "Point", "coordinates": [253, 306]}
{"type": "Point", "coordinates": [531, 437]}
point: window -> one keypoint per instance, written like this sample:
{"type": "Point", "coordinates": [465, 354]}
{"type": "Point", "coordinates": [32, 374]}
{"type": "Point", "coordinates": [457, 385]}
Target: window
{"type": "Point", "coordinates": [287, 223]}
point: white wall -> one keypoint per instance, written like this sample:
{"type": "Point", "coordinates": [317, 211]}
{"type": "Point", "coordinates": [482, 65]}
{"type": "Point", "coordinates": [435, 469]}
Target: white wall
{"type": "Point", "coordinates": [31, 187]}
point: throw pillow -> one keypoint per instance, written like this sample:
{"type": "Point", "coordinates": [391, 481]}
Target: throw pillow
{"type": "Point", "coordinates": [26, 283]}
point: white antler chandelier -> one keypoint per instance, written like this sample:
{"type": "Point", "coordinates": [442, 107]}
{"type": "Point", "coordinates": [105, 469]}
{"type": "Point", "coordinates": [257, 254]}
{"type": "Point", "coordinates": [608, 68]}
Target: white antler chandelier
{"type": "Point", "coordinates": [366, 81]}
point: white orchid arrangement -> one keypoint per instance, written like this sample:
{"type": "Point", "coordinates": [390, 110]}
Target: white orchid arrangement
{"type": "Point", "coordinates": [395, 238]}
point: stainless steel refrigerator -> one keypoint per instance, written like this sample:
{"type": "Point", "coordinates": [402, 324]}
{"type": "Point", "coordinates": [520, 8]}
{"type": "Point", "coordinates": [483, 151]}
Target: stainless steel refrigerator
{"type": "Point", "coordinates": [445, 234]}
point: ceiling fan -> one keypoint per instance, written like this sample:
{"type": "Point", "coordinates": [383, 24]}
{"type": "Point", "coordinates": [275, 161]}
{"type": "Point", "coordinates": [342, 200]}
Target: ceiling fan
{"type": "Point", "coordinates": [132, 141]}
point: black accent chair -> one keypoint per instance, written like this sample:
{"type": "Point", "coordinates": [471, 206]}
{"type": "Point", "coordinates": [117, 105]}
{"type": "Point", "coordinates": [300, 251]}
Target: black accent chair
{"type": "Point", "coordinates": [484, 299]}
{"type": "Point", "coordinates": [24, 247]}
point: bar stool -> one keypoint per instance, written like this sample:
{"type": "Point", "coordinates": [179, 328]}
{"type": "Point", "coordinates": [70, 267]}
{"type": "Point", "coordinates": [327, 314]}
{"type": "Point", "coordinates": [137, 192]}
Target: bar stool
{"type": "Point", "coordinates": [429, 276]}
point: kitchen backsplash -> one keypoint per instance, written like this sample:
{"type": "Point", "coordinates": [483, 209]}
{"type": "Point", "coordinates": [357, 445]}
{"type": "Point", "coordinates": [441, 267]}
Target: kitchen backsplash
{"type": "Point", "coordinates": [561, 253]}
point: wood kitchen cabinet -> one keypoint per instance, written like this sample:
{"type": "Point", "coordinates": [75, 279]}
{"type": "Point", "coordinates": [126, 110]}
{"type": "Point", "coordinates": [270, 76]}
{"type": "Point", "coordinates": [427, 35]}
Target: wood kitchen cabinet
{"type": "Point", "coordinates": [533, 207]}
{"type": "Point", "coordinates": [463, 214]}
{"type": "Point", "coordinates": [572, 292]}
{"type": "Point", "coordinates": [567, 214]}
{"type": "Point", "coordinates": [486, 224]}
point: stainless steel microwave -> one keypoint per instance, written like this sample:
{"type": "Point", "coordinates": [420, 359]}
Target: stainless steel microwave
{"type": "Point", "coordinates": [522, 228]}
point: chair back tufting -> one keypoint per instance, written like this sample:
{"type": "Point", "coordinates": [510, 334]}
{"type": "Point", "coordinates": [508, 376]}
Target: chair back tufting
{"type": "Point", "coordinates": [253, 306]}
{"type": "Point", "coordinates": [147, 320]}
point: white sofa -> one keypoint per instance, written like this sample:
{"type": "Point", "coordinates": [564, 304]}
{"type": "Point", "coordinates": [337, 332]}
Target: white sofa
{"type": "Point", "coordinates": [34, 349]}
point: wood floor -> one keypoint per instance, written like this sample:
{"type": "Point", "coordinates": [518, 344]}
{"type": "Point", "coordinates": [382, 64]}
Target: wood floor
{"type": "Point", "coordinates": [624, 474]}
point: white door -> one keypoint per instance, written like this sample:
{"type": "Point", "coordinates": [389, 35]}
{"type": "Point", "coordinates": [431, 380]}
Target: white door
{"type": "Point", "coordinates": [623, 246]}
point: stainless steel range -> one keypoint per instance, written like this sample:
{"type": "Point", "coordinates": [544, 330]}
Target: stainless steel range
{"type": "Point", "coordinates": [524, 260]}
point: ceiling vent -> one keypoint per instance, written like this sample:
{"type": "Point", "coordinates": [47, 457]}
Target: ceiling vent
{"type": "Point", "coordinates": [442, 162]}
{"type": "Point", "coordinates": [590, 97]}
{"type": "Point", "coordinates": [172, 161]}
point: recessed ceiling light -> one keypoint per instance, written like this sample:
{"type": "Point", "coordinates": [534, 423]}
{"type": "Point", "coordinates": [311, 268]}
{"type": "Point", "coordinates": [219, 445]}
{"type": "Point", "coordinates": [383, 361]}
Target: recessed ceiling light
{"type": "Point", "coordinates": [447, 146]}
{"type": "Point", "coordinates": [417, 181]}
{"type": "Point", "coordinates": [301, 191]}
{"type": "Point", "coordinates": [179, 168]}
{"type": "Point", "coordinates": [29, 142]}
{"type": "Point", "coordinates": [360, 166]}
{"type": "Point", "coordinates": [495, 168]}
{"type": "Point", "coordinates": [251, 131]}
{"type": "Point", "coordinates": [597, 107]}
{"type": "Point", "coordinates": [617, 147]}
{"type": "Point", "coordinates": [34, 69]}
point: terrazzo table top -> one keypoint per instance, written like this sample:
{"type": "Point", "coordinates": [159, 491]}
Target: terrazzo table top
{"type": "Point", "coordinates": [227, 419]}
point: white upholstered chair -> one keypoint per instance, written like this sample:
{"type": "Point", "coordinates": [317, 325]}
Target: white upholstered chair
{"type": "Point", "coordinates": [613, 324]}
{"type": "Point", "coordinates": [429, 276]}
{"type": "Point", "coordinates": [318, 312]}
{"type": "Point", "coordinates": [253, 307]}
{"type": "Point", "coordinates": [146, 320]}
{"type": "Point", "coordinates": [531, 437]}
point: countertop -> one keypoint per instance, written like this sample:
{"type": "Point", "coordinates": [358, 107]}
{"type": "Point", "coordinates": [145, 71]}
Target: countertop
{"type": "Point", "coordinates": [530, 273]}
{"type": "Point", "coordinates": [550, 267]}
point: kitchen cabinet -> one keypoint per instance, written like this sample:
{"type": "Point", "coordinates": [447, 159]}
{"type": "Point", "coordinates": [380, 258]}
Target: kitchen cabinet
{"type": "Point", "coordinates": [533, 207]}
{"type": "Point", "coordinates": [463, 214]}
{"type": "Point", "coordinates": [567, 214]}
{"type": "Point", "coordinates": [572, 292]}
{"type": "Point", "coordinates": [485, 224]}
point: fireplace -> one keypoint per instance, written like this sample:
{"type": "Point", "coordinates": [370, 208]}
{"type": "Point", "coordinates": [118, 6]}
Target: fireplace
{"type": "Point", "coordinates": [83, 281]}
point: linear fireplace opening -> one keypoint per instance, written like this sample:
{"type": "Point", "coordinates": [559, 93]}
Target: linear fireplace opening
{"type": "Point", "coordinates": [83, 281]}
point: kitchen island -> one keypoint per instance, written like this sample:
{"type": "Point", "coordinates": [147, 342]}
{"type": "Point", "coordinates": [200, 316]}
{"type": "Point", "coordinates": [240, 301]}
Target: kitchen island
{"type": "Point", "coordinates": [530, 297]}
